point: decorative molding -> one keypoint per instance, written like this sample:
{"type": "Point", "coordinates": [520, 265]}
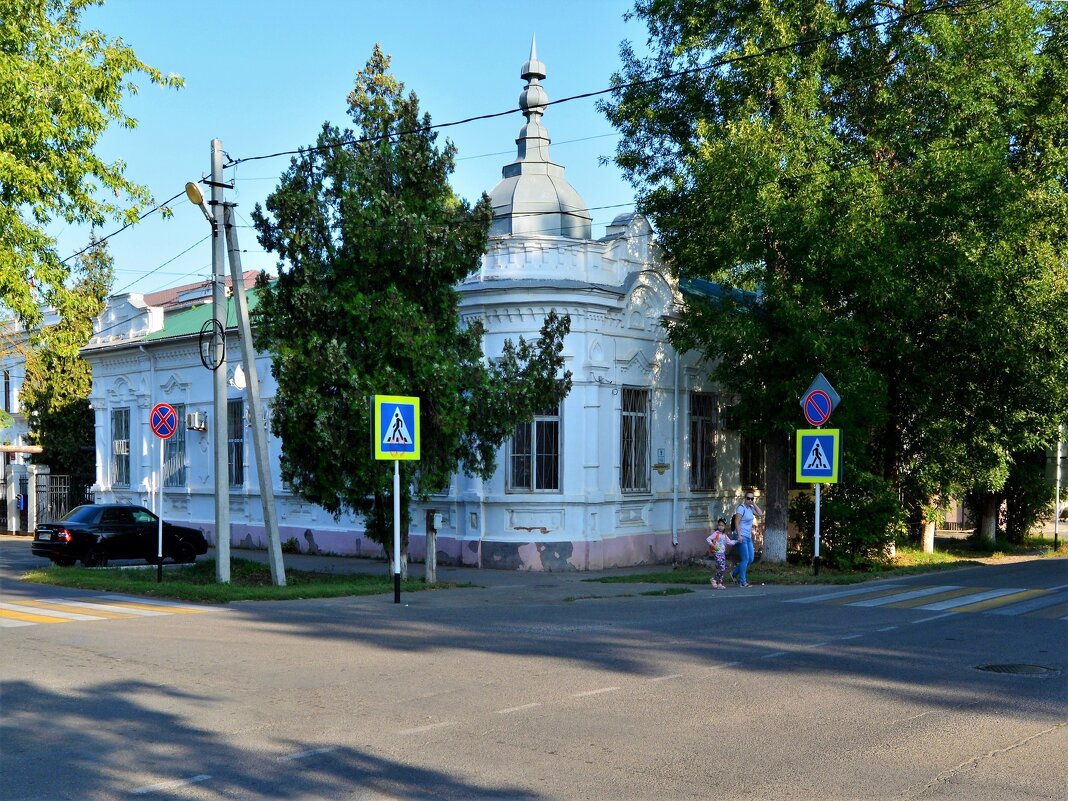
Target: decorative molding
{"type": "Point", "coordinates": [540, 521]}
{"type": "Point", "coordinates": [632, 515]}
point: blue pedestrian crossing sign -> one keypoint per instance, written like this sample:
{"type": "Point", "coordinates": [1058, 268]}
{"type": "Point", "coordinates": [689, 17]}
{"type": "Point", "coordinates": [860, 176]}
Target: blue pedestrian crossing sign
{"type": "Point", "coordinates": [395, 424]}
{"type": "Point", "coordinates": [818, 455]}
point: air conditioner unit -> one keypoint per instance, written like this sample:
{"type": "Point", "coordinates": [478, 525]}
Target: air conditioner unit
{"type": "Point", "coordinates": [196, 421]}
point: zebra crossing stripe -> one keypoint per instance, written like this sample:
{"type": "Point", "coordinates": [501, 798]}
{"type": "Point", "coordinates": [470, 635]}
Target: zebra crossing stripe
{"type": "Point", "coordinates": [123, 609]}
{"type": "Point", "coordinates": [1058, 612]}
{"type": "Point", "coordinates": [956, 592]}
{"type": "Point", "coordinates": [954, 603]}
{"type": "Point", "coordinates": [831, 596]}
{"type": "Point", "coordinates": [36, 610]}
{"type": "Point", "coordinates": [17, 617]}
{"type": "Point", "coordinates": [1001, 601]}
{"type": "Point", "coordinates": [923, 592]}
{"type": "Point", "coordinates": [59, 605]}
{"type": "Point", "coordinates": [1040, 602]}
{"type": "Point", "coordinates": [159, 603]}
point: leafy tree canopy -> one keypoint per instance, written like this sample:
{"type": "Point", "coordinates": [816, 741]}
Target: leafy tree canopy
{"type": "Point", "coordinates": [892, 177]}
{"type": "Point", "coordinates": [62, 87]}
{"type": "Point", "coordinates": [372, 243]}
{"type": "Point", "coordinates": [57, 383]}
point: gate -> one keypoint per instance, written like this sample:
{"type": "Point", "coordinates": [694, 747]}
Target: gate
{"type": "Point", "coordinates": [57, 495]}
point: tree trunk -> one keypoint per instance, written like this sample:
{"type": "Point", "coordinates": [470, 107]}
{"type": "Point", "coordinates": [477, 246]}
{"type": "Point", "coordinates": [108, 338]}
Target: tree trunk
{"type": "Point", "coordinates": [988, 525]}
{"type": "Point", "coordinates": [928, 535]}
{"type": "Point", "coordinates": [777, 501]}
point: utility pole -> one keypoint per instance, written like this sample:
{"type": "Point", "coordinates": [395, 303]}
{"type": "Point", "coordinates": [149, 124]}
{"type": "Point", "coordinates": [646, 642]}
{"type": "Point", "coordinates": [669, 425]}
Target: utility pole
{"type": "Point", "coordinates": [259, 436]}
{"type": "Point", "coordinates": [218, 300]}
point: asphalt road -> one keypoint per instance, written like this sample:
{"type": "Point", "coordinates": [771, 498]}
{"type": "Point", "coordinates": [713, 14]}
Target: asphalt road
{"type": "Point", "coordinates": [546, 687]}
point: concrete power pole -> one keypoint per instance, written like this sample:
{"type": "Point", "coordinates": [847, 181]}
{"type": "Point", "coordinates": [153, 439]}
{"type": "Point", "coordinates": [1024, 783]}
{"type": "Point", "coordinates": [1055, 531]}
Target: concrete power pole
{"type": "Point", "coordinates": [259, 436]}
{"type": "Point", "coordinates": [218, 343]}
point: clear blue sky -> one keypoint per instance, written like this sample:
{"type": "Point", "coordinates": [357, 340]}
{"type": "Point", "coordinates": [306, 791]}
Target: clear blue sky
{"type": "Point", "coordinates": [263, 75]}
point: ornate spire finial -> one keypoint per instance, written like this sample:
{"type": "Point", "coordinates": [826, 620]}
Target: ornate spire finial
{"type": "Point", "coordinates": [533, 68]}
{"type": "Point", "coordinates": [533, 98]}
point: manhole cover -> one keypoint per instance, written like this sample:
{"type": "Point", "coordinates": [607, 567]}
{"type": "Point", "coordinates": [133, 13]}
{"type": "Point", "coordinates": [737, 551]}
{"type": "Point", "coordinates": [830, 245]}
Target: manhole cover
{"type": "Point", "coordinates": [1020, 670]}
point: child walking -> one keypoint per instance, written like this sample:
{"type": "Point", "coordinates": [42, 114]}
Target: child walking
{"type": "Point", "coordinates": [718, 541]}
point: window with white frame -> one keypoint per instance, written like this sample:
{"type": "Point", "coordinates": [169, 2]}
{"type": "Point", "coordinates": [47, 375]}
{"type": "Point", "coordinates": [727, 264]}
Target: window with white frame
{"type": "Point", "coordinates": [534, 458]}
{"type": "Point", "coordinates": [235, 435]}
{"type": "Point", "coordinates": [174, 453]}
{"type": "Point", "coordinates": [634, 441]}
{"type": "Point", "coordinates": [120, 447]}
{"type": "Point", "coordinates": [704, 424]}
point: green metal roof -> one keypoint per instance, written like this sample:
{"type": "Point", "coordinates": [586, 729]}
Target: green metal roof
{"type": "Point", "coordinates": [189, 322]}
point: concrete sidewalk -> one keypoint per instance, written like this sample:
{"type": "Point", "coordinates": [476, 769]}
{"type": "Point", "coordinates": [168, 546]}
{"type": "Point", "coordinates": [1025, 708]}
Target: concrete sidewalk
{"type": "Point", "coordinates": [482, 577]}
{"type": "Point", "coordinates": [479, 577]}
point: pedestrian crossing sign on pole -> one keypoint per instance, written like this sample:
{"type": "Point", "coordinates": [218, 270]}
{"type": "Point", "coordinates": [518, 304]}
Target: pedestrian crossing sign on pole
{"type": "Point", "coordinates": [818, 455]}
{"type": "Point", "coordinates": [395, 423]}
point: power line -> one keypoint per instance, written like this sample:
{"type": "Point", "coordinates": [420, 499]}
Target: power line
{"type": "Point", "coordinates": [157, 269]}
{"type": "Point", "coordinates": [140, 217]}
{"type": "Point", "coordinates": [723, 62]}
{"type": "Point", "coordinates": [585, 95]}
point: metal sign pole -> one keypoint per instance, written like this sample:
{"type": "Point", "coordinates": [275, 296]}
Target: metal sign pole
{"type": "Point", "coordinates": [816, 558]}
{"type": "Point", "coordinates": [396, 531]}
{"type": "Point", "coordinates": [159, 512]}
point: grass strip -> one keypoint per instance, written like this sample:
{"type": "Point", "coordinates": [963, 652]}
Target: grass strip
{"type": "Point", "coordinates": [249, 581]}
{"type": "Point", "coordinates": [907, 562]}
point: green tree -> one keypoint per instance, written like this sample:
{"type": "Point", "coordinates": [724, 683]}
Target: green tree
{"type": "Point", "coordinates": [57, 383]}
{"type": "Point", "coordinates": [62, 87]}
{"type": "Point", "coordinates": [890, 176]}
{"type": "Point", "coordinates": [372, 243]}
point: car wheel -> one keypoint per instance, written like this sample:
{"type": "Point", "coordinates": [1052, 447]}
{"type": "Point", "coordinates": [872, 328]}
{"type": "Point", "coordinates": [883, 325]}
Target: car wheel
{"type": "Point", "coordinates": [184, 553]}
{"type": "Point", "coordinates": [95, 557]}
{"type": "Point", "coordinates": [62, 561]}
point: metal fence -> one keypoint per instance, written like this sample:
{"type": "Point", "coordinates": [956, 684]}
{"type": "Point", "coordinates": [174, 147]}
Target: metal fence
{"type": "Point", "coordinates": [57, 495]}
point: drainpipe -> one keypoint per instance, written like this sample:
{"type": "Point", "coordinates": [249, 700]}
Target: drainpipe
{"type": "Point", "coordinates": [153, 490]}
{"type": "Point", "coordinates": [675, 461]}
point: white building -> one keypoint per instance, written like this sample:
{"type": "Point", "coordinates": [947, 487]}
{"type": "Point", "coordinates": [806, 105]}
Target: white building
{"type": "Point", "coordinates": [632, 468]}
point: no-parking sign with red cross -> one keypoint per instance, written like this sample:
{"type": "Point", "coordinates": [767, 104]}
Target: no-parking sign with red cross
{"type": "Point", "coordinates": [164, 420]}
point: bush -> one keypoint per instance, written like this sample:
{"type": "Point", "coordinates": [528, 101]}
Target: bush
{"type": "Point", "coordinates": [291, 545]}
{"type": "Point", "coordinates": [860, 519]}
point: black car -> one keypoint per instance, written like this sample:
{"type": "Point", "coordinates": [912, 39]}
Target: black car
{"type": "Point", "coordinates": [96, 533]}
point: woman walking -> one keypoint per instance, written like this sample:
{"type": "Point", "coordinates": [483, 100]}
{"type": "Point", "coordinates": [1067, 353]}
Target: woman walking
{"type": "Point", "coordinates": [743, 525]}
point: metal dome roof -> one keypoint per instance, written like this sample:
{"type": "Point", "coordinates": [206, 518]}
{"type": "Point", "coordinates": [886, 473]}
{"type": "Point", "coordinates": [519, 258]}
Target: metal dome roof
{"type": "Point", "coordinates": [533, 197]}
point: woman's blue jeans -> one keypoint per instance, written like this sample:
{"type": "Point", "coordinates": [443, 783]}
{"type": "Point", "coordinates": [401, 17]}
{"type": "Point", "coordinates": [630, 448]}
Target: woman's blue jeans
{"type": "Point", "coordinates": [745, 554]}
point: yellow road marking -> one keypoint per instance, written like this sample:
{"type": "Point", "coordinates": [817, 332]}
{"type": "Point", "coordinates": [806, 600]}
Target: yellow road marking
{"type": "Point", "coordinates": [1001, 600]}
{"type": "Point", "coordinates": [59, 606]}
{"type": "Point", "coordinates": [12, 615]}
{"type": "Point", "coordinates": [165, 610]}
{"type": "Point", "coordinates": [929, 599]}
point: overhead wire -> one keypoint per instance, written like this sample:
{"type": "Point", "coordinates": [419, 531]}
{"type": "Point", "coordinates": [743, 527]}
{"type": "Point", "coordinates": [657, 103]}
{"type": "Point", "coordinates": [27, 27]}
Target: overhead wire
{"type": "Point", "coordinates": [232, 162]}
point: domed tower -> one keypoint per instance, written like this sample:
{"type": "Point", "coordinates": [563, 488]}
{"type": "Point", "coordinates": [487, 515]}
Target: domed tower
{"type": "Point", "coordinates": [533, 197]}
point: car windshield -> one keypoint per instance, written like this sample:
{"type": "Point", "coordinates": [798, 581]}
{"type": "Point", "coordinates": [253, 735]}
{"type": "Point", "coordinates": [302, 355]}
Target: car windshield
{"type": "Point", "coordinates": [83, 514]}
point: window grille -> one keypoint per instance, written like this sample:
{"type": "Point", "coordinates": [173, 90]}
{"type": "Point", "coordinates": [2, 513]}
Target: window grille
{"type": "Point", "coordinates": [753, 462]}
{"type": "Point", "coordinates": [235, 428]}
{"type": "Point", "coordinates": [535, 454]}
{"type": "Point", "coordinates": [704, 425]}
{"type": "Point", "coordinates": [634, 441]}
{"type": "Point", "coordinates": [174, 453]}
{"type": "Point", "coordinates": [120, 447]}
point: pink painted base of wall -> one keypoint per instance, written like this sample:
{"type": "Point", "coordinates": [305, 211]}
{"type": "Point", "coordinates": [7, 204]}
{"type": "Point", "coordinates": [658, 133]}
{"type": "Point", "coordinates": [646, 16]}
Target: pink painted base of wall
{"type": "Point", "coordinates": [547, 556]}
